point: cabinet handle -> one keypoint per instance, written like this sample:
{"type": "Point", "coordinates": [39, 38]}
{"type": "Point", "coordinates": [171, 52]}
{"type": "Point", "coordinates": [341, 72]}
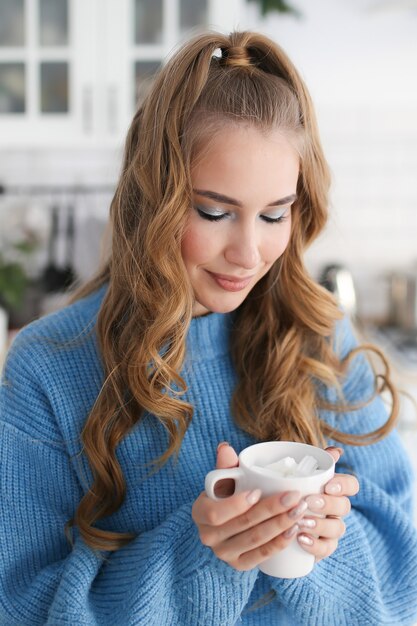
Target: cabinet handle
{"type": "Point", "coordinates": [87, 109]}
{"type": "Point", "coordinates": [112, 111]}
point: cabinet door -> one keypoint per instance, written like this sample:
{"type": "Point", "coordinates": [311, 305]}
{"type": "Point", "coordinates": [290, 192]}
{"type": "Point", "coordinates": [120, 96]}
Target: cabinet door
{"type": "Point", "coordinates": [13, 62]}
{"type": "Point", "coordinates": [152, 29]}
{"type": "Point", "coordinates": [38, 71]}
{"type": "Point", "coordinates": [156, 27]}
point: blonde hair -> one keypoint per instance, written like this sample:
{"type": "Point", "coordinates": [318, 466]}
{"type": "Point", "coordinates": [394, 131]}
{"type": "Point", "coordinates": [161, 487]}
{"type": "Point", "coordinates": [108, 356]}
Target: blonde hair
{"type": "Point", "coordinates": [281, 344]}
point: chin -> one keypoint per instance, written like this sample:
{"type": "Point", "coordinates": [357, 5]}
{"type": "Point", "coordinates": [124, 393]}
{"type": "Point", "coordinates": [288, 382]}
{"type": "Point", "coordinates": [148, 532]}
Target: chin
{"type": "Point", "coordinates": [218, 306]}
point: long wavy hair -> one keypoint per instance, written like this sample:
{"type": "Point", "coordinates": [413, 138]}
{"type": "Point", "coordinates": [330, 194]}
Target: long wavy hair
{"type": "Point", "coordinates": [281, 344]}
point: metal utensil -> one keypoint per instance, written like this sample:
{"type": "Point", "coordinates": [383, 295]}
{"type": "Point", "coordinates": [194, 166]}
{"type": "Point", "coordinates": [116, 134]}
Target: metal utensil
{"type": "Point", "coordinates": [339, 280]}
{"type": "Point", "coordinates": [56, 278]}
{"type": "Point", "coordinates": [68, 271]}
{"type": "Point", "coordinates": [403, 300]}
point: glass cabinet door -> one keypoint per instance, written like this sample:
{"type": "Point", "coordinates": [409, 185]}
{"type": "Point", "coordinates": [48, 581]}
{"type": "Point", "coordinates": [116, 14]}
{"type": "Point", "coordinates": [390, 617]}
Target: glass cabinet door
{"type": "Point", "coordinates": [53, 38]}
{"type": "Point", "coordinates": [53, 23]}
{"type": "Point", "coordinates": [36, 69]}
{"type": "Point", "coordinates": [12, 23]}
{"type": "Point", "coordinates": [12, 87]}
{"type": "Point", "coordinates": [144, 73]}
{"type": "Point", "coordinates": [158, 26]}
{"type": "Point", "coordinates": [148, 21]}
{"type": "Point", "coordinates": [53, 84]}
{"type": "Point", "coordinates": [12, 57]}
{"type": "Point", "coordinates": [193, 13]}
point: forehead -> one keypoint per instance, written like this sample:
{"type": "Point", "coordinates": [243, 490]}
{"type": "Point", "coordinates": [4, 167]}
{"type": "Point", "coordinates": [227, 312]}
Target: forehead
{"type": "Point", "coordinates": [244, 159]}
{"type": "Point", "coordinates": [208, 131]}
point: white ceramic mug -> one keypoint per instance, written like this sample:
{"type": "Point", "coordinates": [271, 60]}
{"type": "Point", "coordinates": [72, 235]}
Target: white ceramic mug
{"type": "Point", "coordinates": [292, 561]}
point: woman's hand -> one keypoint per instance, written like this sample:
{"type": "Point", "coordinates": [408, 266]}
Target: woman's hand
{"type": "Point", "coordinates": [320, 536]}
{"type": "Point", "coordinates": [241, 530]}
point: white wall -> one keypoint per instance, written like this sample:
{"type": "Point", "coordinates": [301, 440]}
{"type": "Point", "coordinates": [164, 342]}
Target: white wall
{"type": "Point", "coordinates": [349, 52]}
{"type": "Point", "coordinates": [359, 60]}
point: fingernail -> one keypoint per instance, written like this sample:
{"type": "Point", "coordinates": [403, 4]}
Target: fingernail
{"type": "Point", "coordinates": [290, 532]}
{"type": "Point", "coordinates": [305, 539]}
{"type": "Point", "coordinates": [290, 497]}
{"type": "Point", "coordinates": [315, 503]}
{"type": "Point", "coordinates": [307, 522]}
{"type": "Point", "coordinates": [254, 496]}
{"type": "Point", "coordinates": [298, 509]}
{"type": "Point", "coordinates": [333, 488]}
{"type": "Point", "coordinates": [221, 444]}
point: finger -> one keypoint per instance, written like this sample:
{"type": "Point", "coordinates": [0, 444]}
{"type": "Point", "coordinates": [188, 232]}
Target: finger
{"type": "Point", "coordinates": [252, 558]}
{"type": "Point", "coordinates": [337, 506]}
{"type": "Point", "coordinates": [320, 547]}
{"type": "Point", "coordinates": [335, 452]}
{"type": "Point", "coordinates": [226, 456]}
{"type": "Point", "coordinates": [271, 508]}
{"type": "Point", "coordinates": [326, 527]}
{"type": "Point", "coordinates": [218, 512]}
{"type": "Point", "coordinates": [342, 484]}
{"type": "Point", "coordinates": [274, 533]}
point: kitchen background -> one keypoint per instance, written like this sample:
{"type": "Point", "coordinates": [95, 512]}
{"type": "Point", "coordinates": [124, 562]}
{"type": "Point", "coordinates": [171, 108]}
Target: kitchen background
{"type": "Point", "coordinates": [71, 72]}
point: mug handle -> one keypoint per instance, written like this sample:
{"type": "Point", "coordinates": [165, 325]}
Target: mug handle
{"type": "Point", "coordinates": [213, 477]}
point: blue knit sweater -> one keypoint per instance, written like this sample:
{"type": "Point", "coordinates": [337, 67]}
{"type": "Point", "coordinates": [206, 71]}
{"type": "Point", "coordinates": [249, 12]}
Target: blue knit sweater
{"type": "Point", "coordinates": [165, 576]}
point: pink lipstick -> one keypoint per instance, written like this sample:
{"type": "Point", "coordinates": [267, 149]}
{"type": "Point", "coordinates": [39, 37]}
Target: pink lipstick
{"type": "Point", "coordinates": [231, 283]}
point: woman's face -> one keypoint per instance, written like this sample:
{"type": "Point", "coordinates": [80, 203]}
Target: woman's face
{"type": "Point", "coordinates": [240, 221]}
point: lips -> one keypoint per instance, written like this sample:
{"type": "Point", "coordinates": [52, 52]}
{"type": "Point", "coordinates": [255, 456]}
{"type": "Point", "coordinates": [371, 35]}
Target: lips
{"type": "Point", "coordinates": [231, 283]}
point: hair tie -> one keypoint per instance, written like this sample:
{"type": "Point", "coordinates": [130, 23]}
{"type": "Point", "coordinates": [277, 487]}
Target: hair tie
{"type": "Point", "coordinates": [236, 56]}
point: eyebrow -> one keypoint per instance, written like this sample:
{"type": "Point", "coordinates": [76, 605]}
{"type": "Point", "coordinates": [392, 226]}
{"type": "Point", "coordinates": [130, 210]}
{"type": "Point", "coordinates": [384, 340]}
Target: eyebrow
{"type": "Point", "coordinates": [219, 197]}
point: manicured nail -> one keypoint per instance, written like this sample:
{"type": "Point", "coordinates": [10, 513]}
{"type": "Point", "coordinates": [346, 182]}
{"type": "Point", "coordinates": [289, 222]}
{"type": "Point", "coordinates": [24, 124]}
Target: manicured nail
{"type": "Point", "coordinates": [290, 532]}
{"type": "Point", "coordinates": [305, 539]}
{"type": "Point", "coordinates": [254, 496]}
{"type": "Point", "coordinates": [333, 488]}
{"type": "Point", "coordinates": [307, 522]}
{"type": "Point", "coordinates": [299, 510]}
{"type": "Point", "coordinates": [339, 450]}
{"type": "Point", "coordinates": [315, 503]}
{"type": "Point", "coordinates": [290, 497]}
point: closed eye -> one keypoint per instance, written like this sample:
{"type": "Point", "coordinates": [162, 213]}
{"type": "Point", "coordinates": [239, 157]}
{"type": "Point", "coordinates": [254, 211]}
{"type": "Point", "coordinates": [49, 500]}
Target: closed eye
{"type": "Point", "coordinates": [216, 217]}
{"type": "Point", "coordinates": [212, 217]}
{"type": "Point", "coordinates": [275, 220]}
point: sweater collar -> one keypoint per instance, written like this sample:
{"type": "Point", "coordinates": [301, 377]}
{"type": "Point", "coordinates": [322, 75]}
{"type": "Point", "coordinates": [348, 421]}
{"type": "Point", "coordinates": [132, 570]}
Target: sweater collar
{"type": "Point", "coordinates": [208, 336]}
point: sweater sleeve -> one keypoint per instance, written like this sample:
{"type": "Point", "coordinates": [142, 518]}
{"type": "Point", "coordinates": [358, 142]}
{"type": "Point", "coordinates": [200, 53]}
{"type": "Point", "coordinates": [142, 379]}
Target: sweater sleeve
{"type": "Point", "coordinates": [371, 578]}
{"type": "Point", "coordinates": [165, 576]}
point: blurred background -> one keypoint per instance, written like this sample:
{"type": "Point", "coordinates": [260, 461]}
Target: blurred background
{"type": "Point", "coordinates": [72, 73]}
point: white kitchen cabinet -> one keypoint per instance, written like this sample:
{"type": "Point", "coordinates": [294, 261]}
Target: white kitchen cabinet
{"type": "Point", "coordinates": [71, 71]}
{"type": "Point", "coordinates": [38, 70]}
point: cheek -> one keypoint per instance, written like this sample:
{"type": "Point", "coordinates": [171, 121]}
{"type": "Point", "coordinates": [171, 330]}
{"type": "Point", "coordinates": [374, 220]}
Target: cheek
{"type": "Point", "coordinates": [197, 246]}
{"type": "Point", "coordinates": [276, 245]}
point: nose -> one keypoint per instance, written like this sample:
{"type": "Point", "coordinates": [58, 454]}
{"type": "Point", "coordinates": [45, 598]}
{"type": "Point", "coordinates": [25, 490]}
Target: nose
{"type": "Point", "coordinates": [243, 249]}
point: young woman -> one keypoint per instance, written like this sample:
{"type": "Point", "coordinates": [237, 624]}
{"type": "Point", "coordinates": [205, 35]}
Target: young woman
{"type": "Point", "coordinates": [202, 327]}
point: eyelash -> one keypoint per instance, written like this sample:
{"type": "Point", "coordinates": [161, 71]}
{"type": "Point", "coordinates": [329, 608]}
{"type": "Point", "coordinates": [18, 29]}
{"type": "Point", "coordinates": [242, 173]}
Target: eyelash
{"type": "Point", "coordinates": [217, 218]}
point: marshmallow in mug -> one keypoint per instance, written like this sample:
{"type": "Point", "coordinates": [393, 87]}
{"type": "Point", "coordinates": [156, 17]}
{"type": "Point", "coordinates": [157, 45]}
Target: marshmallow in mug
{"type": "Point", "coordinates": [289, 467]}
